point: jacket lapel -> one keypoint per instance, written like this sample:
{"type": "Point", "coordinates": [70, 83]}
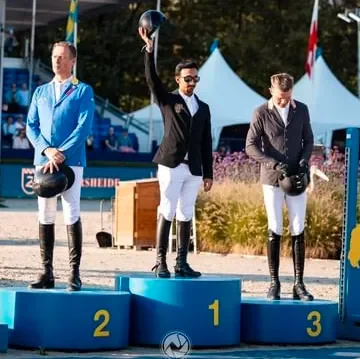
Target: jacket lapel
{"type": "Point", "coordinates": [185, 108]}
{"type": "Point", "coordinates": [68, 91]}
{"type": "Point", "coordinates": [291, 114]}
{"type": "Point", "coordinates": [51, 97]}
{"type": "Point", "coordinates": [200, 107]}
{"type": "Point", "coordinates": [275, 114]}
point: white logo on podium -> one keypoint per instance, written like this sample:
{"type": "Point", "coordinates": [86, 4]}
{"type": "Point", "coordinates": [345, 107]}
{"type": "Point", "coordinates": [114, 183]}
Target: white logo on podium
{"type": "Point", "coordinates": [176, 345]}
{"type": "Point", "coordinates": [27, 177]}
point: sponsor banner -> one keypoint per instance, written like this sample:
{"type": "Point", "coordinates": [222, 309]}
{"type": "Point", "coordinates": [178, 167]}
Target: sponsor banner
{"type": "Point", "coordinates": [98, 182]}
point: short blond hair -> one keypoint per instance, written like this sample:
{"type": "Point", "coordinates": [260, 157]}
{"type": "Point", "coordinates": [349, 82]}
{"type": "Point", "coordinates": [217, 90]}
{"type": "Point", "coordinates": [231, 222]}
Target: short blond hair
{"type": "Point", "coordinates": [283, 81]}
{"type": "Point", "coordinates": [69, 45]}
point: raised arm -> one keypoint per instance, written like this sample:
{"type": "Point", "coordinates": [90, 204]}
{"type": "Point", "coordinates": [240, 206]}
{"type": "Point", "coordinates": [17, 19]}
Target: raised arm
{"type": "Point", "coordinates": [152, 78]}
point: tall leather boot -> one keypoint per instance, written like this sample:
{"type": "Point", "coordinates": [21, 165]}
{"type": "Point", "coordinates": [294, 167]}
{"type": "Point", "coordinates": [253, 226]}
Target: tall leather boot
{"type": "Point", "coordinates": [298, 252]}
{"type": "Point", "coordinates": [162, 242]}
{"type": "Point", "coordinates": [74, 234]}
{"type": "Point", "coordinates": [273, 254]}
{"type": "Point", "coordinates": [47, 239]}
{"type": "Point", "coordinates": [182, 268]}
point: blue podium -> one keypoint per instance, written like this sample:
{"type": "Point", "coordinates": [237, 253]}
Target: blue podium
{"type": "Point", "coordinates": [60, 320]}
{"type": "Point", "coordinates": [205, 310]}
{"type": "Point", "coordinates": [288, 321]}
{"type": "Point", "coordinates": [3, 338]}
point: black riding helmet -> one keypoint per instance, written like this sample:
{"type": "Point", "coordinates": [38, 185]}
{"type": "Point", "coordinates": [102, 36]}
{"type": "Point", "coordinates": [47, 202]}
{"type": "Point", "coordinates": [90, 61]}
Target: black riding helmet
{"type": "Point", "coordinates": [49, 185]}
{"type": "Point", "coordinates": [295, 184]}
{"type": "Point", "coordinates": [151, 20]}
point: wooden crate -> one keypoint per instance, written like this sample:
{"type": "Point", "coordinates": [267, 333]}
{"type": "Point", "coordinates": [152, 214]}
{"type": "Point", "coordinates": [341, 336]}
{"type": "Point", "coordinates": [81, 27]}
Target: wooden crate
{"type": "Point", "coordinates": [136, 205]}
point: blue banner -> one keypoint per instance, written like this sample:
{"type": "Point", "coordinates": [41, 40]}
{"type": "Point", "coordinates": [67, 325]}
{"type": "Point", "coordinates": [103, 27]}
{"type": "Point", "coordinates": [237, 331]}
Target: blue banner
{"type": "Point", "coordinates": [98, 182]}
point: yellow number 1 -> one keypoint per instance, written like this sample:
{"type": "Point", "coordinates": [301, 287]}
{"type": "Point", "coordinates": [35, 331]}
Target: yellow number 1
{"type": "Point", "coordinates": [315, 317]}
{"type": "Point", "coordinates": [215, 307]}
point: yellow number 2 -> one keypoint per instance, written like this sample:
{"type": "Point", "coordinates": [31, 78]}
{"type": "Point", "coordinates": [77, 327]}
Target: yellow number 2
{"type": "Point", "coordinates": [315, 317]}
{"type": "Point", "coordinates": [99, 332]}
{"type": "Point", "coordinates": [215, 307]}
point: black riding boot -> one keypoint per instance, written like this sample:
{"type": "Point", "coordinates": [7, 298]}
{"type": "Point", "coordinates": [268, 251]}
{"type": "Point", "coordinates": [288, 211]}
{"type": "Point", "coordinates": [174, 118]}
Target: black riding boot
{"type": "Point", "coordinates": [273, 253]}
{"type": "Point", "coordinates": [182, 268]}
{"type": "Point", "coordinates": [298, 251]}
{"type": "Point", "coordinates": [162, 241]}
{"type": "Point", "coordinates": [74, 233]}
{"type": "Point", "coordinates": [47, 240]}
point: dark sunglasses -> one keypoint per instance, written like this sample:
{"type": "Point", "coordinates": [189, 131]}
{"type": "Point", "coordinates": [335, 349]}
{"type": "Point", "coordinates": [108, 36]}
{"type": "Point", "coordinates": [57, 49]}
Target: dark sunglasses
{"type": "Point", "coordinates": [190, 78]}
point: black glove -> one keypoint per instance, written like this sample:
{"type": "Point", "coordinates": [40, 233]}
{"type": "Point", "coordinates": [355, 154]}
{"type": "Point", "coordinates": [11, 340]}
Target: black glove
{"type": "Point", "coordinates": [281, 168]}
{"type": "Point", "coordinates": [304, 169]}
{"type": "Point", "coordinates": [303, 166]}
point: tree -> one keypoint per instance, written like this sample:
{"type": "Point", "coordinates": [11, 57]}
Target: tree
{"type": "Point", "coordinates": [257, 39]}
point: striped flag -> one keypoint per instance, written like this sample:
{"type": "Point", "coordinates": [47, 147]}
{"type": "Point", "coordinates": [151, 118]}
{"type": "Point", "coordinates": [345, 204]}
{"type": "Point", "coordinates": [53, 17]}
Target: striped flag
{"type": "Point", "coordinates": [71, 28]}
{"type": "Point", "coordinates": [312, 42]}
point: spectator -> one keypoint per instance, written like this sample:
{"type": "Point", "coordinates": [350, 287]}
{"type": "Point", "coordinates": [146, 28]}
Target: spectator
{"type": "Point", "coordinates": [21, 142]}
{"type": "Point", "coordinates": [12, 99]}
{"type": "Point", "coordinates": [125, 143]}
{"type": "Point", "coordinates": [90, 143]}
{"type": "Point", "coordinates": [111, 144]}
{"type": "Point", "coordinates": [23, 98]}
{"type": "Point", "coordinates": [20, 124]}
{"type": "Point", "coordinates": [8, 133]}
{"type": "Point", "coordinates": [10, 42]}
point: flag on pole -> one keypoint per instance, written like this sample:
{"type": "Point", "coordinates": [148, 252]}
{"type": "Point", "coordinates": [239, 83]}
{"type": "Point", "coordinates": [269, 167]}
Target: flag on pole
{"type": "Point", "coordinates": [71, 33]}
{"type": "Point", "coordinates": [312, 42]}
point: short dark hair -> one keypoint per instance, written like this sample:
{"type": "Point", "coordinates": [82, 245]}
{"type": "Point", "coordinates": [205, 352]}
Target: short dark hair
{"type": "Point", "coordinates": [69, 45]}
{"type": "Point", "coordinates": [284, 81]}
{"type": "Point", "coordinates": [185, 64]}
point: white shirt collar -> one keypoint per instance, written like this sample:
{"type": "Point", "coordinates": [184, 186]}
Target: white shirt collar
{"type": "Point", "coordinates": [56, 82]}
{"type": "Point", "coordinates": [282, 109]}
{"type": "Point", "coordinates": [187, 98]}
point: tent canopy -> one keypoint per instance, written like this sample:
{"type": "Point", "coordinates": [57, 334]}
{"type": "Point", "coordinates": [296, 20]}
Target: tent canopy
{"type": "Point", "coordinates": [231, 101]}
{"type": "Point", "coordinates": [331, 105]}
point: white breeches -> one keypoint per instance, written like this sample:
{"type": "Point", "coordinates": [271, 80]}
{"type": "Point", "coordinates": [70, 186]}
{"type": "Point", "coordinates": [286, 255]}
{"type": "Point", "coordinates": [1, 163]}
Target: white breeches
{"type": "Point", "coordinates": [178, 192]}
{"type": "Point", "coordinates": [274, 199]}
{"type": "Point", "coordinates": [70, 201]}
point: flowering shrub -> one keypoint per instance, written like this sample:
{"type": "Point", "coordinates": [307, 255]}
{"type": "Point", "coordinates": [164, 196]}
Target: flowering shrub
{"type": "Point", "coordinates": [231, 217]}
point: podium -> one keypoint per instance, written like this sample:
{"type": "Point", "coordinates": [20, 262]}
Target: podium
{"type": "Point", "coordinates": [136, 205]}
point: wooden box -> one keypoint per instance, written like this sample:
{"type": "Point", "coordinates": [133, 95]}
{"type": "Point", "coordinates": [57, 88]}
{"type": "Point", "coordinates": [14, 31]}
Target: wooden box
{"type": "Point", "coordinates": [136, 204]}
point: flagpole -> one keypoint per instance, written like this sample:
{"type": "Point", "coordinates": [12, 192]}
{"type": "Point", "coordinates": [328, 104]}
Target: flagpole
{"type": "Point", "coordinates": [310, 64]}
{"type": "Point", "coordinates": [72, 28]}
{"type": "Point", "coordinates": [32, 46]}
{"type": "Point", "coordinates": [75, 44]}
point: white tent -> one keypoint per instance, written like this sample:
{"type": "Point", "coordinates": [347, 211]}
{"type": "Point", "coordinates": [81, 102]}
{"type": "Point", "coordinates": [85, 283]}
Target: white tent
{"type": "Point", "coordinates": [331, 105]}
{"type": "Point", "coordinates": [231, 101]}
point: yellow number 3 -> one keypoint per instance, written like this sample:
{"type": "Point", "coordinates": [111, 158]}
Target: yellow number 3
{"type": "Point", "coordinates": [99, 332]}
{"type": "Point", "coordinates": [315, 317]}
